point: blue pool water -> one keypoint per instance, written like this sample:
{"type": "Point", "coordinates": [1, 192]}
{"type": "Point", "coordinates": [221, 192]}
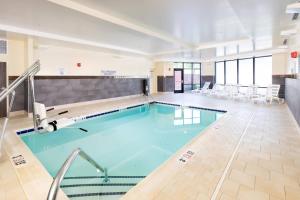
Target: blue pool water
{"type": "Point", "coordinates": [133, 141]}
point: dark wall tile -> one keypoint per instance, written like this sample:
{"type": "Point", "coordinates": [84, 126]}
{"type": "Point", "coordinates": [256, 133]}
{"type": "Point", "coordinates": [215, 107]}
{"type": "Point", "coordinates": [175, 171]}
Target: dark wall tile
{"type": "Point", "coordinates": [60, 90]}
{"type": "Point", "coordinates": [165, 83]}
{"type": "Point", "coordinates": [280, 80]}
{"type": "Point", "coordinates": [53, 92]}
{"type": "Point", "coordinates": [19, 102]}
{"type": "Point", "coordinates": [292, 96]}
{"type": "Point", "coordinates": [210, 79]}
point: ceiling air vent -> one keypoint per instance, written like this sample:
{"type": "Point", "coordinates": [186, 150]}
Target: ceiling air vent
{"type": "Point", "coordinates": [3, 47]}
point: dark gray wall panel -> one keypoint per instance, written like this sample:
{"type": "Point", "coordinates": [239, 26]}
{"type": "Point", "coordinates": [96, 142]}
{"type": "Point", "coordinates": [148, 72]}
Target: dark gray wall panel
{"type": "Point", "coordinates": [292, 96]}
{"type": "Point", "coordinates": [53, 92]}
{"type": "Point", "coordinates": [59, 90]}
{"type": "Point", "coordinates": [210, 79]}
{"type": "Point", "coordinates": [280, 80]}
{"type": "Point", "coordinates": [3, 79]}
{"type": "Point", "coordinates": [19, 102]}
{"type": "Point", "coordinates": [165, 83]}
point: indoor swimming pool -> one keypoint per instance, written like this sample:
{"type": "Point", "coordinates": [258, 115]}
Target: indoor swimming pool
{"type": "Point", "coordinates": [130, 142]}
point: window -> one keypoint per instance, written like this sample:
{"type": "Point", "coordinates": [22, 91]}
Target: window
{"type": "Point", "coordinates": [263, 71]}
{"type": "Point", "coordinates": [231, 72]}
{"type": "Point", "coordinates": [220, 79]}
{"type": "Point", "coordinates": [178, 65]}
{"type": "Point", "coordinates": [3, 47]}
{"type": "Point", "coordinates": [242, 71]}
{"type": "Point", "coordinates": [196, 75]}
{"type": "Point", "coordinates": [191, 73]}
{"type": "Point", "coordinates": [246, 71]}
{"type": "Point", "coordinates": [188, 76]}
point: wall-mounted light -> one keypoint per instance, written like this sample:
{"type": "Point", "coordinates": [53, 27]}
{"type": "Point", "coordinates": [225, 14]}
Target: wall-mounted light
{"type": "Point", "coordinates": [288, 32]}
{"type": "Point", "coordinates": [293, 8]}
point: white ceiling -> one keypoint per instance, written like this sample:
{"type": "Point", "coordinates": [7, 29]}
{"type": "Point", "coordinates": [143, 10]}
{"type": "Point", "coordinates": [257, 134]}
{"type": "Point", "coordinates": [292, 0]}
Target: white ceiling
{"type": "Point", "coordinates": [168, 28]}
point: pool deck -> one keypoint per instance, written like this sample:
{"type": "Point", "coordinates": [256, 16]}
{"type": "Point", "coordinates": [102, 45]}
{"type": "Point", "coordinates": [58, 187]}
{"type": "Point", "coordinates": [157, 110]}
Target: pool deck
{"type": "Point", "coordinates": [250, 153]}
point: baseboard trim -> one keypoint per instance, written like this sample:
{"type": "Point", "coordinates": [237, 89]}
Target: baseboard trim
{"type": "Point", "coordinates": [17, 113]}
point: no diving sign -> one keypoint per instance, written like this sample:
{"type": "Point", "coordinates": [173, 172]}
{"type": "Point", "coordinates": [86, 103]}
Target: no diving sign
{"type": "Point", "coordinates": [184, 158]}
{"type": "Point", "coordinates": [18, 160]}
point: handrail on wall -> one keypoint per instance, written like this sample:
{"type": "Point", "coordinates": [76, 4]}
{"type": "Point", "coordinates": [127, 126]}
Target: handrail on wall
{"type": "Point", "coordinates": [65, 167]}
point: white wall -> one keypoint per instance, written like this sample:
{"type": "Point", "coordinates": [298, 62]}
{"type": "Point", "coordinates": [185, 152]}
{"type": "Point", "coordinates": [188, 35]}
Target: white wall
{"type": "Point", "coordinates": [280, 65]}
{"type": "Point", "coordinates": [160, 69]}
{"type": "Point", "coordinates": [294, 63]}
{"type": "Point", "coordinates": [208, 68]}
{"type": "Point", "coordinates": [15, 57]}
{"type": "Point", "coordinates": [56, 59]}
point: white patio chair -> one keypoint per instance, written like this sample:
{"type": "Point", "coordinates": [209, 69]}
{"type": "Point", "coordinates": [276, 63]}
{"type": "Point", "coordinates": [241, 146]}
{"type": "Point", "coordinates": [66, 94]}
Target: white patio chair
{"type": "Point", "coordinates": [205, 88]}
{"type": "Point", "coordinates": [225, 92]}
{"type": "Point", "coordinates": [197, 90]}
{"type": "Point", "coordinates": [214, 90]}
{"type": "Point", "coordinates": [273, 93]}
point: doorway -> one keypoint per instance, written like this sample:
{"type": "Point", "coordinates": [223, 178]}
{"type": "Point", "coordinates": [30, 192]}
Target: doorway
{"type": "Point", "coordinates": [178, 77]}
{"type": "Point", "coordinates": [3, 80]}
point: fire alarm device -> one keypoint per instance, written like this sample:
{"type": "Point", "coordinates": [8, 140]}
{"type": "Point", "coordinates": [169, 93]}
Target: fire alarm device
{"type": "Point", "coordinates": [294, 54]}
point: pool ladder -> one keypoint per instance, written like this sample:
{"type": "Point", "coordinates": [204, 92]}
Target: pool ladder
{"type": "Point", "coordinates": [89, 186]}
{"type": "Point", "coordinates": [66, 166]}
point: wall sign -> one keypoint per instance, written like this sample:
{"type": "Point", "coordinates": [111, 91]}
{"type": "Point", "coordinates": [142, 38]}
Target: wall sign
{"type": "Point", "coordinates": [108, 72]}
{"type": "Point", "coordinates": [61, 71]}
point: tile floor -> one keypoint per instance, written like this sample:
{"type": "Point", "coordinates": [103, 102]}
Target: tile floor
{"type": "Point", "coordinates": [265, 165]}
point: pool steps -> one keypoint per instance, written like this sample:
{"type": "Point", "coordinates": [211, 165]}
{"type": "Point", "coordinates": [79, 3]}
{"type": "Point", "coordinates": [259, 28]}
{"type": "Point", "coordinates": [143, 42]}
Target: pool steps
{"type": "Point", "coordinates": [94, 186]}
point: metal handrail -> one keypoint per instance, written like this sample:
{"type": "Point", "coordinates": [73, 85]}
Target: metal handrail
{"type": "Point", "coordinates": [29, 72]}
{"type": "Point", "coordinates": [67, 164]}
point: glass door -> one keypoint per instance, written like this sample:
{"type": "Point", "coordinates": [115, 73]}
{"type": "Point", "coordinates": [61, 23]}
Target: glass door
{"type": "Point", "coordinates": [178, 77]}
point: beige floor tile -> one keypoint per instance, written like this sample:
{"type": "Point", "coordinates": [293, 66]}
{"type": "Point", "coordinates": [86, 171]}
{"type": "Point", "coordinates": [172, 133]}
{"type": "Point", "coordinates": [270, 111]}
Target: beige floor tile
{"type": "Point", "coordinates": [286, 180]}
{"type": "Point", "coordinates": [257, 171]}
{"type": "Point", "coordinates": [275, 198]}
{"type": "Point", "coordinates": [246, 193]}
{"type": "Point", "coordinates": [273, 188]}
{"type": "Point", "coordinates": [292, 193]}
{"type": "Point", "coordinates": [291, 171]}
{"type": "Point", "coordinates": [230, 188]}
{"type": "Point", "coordinates": [242, 178]}
{"type": "Point", "coordinates": [226, 197]}
{"type": "Point", "coordinates": [271, 165]}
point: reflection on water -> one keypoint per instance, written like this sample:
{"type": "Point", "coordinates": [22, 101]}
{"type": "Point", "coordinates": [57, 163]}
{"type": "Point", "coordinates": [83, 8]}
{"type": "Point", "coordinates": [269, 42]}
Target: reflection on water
{"type": "Point", "coordinates": [188, 116]}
